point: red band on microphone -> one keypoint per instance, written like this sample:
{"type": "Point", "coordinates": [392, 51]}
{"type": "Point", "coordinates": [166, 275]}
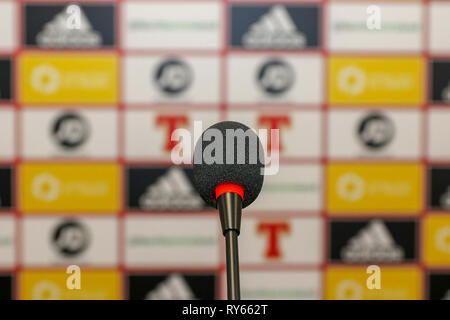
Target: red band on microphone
{"type": "Point", "coordinates": [229, 187]}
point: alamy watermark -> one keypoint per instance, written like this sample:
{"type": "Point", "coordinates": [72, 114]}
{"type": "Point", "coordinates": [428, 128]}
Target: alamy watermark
{"type": "Point", "coordinates": [73, 282]}
{"type": "Point", "coordinates": [374, 280]}
{"type": "Point", "coordinates": [74, 19]}
{"type": "Point", "coordinates": [373, 21]}
{"type": "Point", "coordinates": [234, 140]}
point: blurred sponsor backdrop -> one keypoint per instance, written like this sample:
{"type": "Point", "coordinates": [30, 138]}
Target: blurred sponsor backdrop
{"type": "Point", "coordinates": [91, 91]}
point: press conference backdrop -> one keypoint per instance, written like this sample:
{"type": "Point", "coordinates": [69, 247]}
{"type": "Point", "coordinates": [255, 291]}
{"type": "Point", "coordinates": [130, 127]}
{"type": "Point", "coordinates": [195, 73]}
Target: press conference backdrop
{"type": "Point", "coordinates": [91, 93]}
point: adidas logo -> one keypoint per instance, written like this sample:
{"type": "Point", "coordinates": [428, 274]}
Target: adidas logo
{"type": "Point", "coordinates": [372, 243]}
{"type": "Point", "coordinates": [274, 29]}
{"type": "Point", "coordinates": [446, 93]}
{"type": "Point", "coordinates": [174, 287]}
{"type": "Point", "coordinates": [172, 191]}
{"type": "Point", "coordinates": [56, 33]}
{"type": "Point", "coordinates": [445, 199]}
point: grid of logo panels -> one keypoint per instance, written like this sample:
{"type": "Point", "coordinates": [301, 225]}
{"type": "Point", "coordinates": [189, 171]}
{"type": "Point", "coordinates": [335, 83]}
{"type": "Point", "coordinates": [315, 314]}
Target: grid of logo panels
{"type": "Point", "coordinates": [90, 93]}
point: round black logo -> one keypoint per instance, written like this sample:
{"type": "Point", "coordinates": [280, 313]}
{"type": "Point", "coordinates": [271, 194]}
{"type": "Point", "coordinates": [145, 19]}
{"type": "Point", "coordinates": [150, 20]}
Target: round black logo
{"type": "Point", "coordinates": [70, 130]}
{"type": "Point", "coordinates": [376, 131]}
{"type": "Point", "coordinates": [173, 76]}
{"type": "Point", "coordinates": [276, 77]}
{"type": "Point", "coordinates": [71, 238]}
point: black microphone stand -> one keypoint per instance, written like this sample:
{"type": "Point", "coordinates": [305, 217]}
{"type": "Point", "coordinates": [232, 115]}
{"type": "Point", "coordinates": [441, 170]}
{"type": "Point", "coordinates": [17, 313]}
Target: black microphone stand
{"type": "Point", "coordinates": [230, 211]}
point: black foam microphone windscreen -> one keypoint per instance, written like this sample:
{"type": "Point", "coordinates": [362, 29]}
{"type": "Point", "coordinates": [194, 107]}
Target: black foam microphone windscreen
{"type": "Point", "coordinates": [228, 153]}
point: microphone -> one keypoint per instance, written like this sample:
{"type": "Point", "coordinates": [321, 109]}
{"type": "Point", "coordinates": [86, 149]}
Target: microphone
{"type": "Point", "coordinates": [228, 174]}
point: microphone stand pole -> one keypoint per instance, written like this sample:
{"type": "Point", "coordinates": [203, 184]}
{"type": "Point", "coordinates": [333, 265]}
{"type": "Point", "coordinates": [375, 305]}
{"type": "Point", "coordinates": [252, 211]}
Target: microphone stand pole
{"type": "Point", "coordinates": [230, 211]}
